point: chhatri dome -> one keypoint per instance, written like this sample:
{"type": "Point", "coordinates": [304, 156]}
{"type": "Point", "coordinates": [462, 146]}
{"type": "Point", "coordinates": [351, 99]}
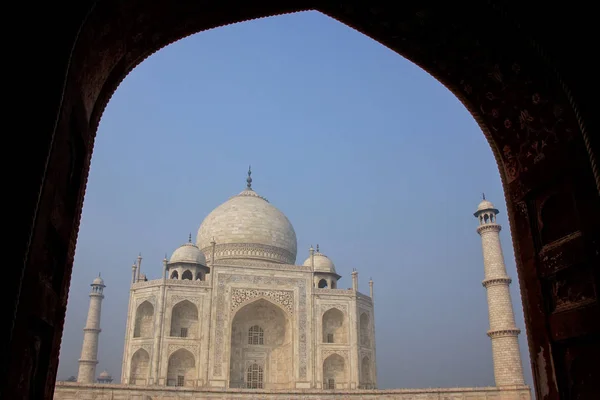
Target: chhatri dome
{"type": "Point", "coordinates": [321, 261]}
{"type": "Point", "coordinates": [188, 253]}
{"type": "Point", "coordinates": [247, 226]}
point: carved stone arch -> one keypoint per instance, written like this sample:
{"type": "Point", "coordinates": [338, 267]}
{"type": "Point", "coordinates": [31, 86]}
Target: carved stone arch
{"type": "Point", "coordinates": [334, 326]}
{"type": "Point", "coordinates": [335, 369]}
{"type": "Point", "coordinates": [181, 368]}
{"type": "Point", "coordinates": [272, 346]}
{"type": "Point", "coordinates": [365, 329]}
{"type": "Point", "coordinates": [184, 319]}
{"type": "Point", "coordinates": [192, 348]}
{"type": "Point", "coordinates": [144, 320]}
{"type": "Point", "coordinates": [342, 307]}
{"type": "Point", "coordinates": [139, 366]}
{"type": "Point", "coordinates": [282, 298]}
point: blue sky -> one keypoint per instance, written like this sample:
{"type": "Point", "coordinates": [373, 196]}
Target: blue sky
{"type": "Point", "coordinates": [366, 154]}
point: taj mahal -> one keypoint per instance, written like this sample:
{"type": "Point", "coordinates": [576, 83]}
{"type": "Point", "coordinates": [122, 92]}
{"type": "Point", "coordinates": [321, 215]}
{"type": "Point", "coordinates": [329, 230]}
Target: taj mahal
{"type": "Point", "coordinates": [233, 316]}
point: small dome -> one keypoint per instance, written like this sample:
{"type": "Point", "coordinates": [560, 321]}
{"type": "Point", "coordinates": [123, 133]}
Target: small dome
{"type": "Point", "coordinates": [322, 263]}
{"type": "Point", "coordinates": [188, 253]}
{"type": "Point", "coordinates": [485, 205]}
{"type": "Point", "coordinates": [98, 281]}
{"type": "Point", "coordinates": [104, 374]}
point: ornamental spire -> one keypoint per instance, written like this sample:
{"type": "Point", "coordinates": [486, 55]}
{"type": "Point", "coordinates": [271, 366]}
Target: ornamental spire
{"type": "Point", "coordinates": [249, 178]}
{"type": "Point", "coordinates": [190, 238]}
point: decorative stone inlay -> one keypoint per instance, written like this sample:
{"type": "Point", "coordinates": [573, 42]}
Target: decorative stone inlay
{"type": "Point", "coordinates": [284, 298]}
{"type": "Point", "coordinates": [250, 250]}
{"type": "Point", "coordinates": [343, 292]}
{"type": "Point", "coordinates": [187, 282]}
{"type": "Point", "coordinates": [192, 348]}
{"type": "Point", "coordinates": [496, 281]}
{"type": "Point", "coordinates": [326, 353]}
{"type": "Point", "coordinates": [149, 299]}
{"type": "Point", "coordinates": [326, 307]}
{"type": "Point", "coordinates": [504, 332]}
{"type": "Point", "coordinates": [222, 280]}
{"type": "Point", "coordinates": [179, 298]}
{"type": "Point", "coordinates": [145, 346]}
{"type": "Point", "coordinates": [488, 228]}
{"type": "Point", "coordinates": [261, 264]}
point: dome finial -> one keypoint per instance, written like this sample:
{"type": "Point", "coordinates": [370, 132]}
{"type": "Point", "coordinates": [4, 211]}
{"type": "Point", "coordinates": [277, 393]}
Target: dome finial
{"type": "Point", "coordinates": [483, 195]}
{"type": "Point", "coordinates": [317, 247]}
{"type": "Point", "coordinates": [190, 238]}
{"type": "Point", "coordinates": [249, 178]}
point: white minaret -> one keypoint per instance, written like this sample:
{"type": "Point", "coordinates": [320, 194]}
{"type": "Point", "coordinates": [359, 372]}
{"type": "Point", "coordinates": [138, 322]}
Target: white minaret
{"type": "Point", "coordinates": [503, 332]}
{"type": "Point", "coordinates": [89, 349]}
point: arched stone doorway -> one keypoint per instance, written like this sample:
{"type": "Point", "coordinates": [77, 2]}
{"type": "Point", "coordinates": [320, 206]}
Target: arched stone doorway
{"type": "Point", "coordinates": [513, 86]}
{"type": "Point", "coordinates": [335, 374]}
{"type": "Point", "coordinates": [144, 320]}
{"type": "Point", "coordinates": [181, 370]}
{"type": "Point", "coordinates": [139, 367]}
{"type": "Point", "coordinates": [261, 338]}
{"type": "Point", "coordinates": [334, 326]}
{"type": "Point", "coordinates": [184, 320]}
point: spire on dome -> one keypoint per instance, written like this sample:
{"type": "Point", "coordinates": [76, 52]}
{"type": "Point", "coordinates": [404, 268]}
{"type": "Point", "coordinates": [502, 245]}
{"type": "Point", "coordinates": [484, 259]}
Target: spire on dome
{"type": "Point", "coordinates": [190, 238]}
{"type": "Point", "coordinates": [317, 247]}
{"type": "Point", "coordinates": [249, 178]}
{"type": "Point", "coordinates": [483, 196]}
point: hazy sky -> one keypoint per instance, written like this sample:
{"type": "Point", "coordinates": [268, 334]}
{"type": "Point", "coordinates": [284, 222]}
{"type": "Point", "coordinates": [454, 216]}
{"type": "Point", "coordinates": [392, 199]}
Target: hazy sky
{"type": "Point", "coordinates": [366, 154]}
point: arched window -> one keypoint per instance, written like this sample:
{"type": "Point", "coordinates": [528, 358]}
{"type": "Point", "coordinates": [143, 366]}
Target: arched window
{"type": "Point", "coordinates": [256, 335]}
{"type": "Point", "coordinates": [322, 284]}
{"type": "Point", "coordinates": [174, 275]}
{"type": "Point", "coordinates": [254, 377]}
{"type": "Point", "coordinates": [187, 274]}
{"type": "Point", "coordinates": [199, 276]}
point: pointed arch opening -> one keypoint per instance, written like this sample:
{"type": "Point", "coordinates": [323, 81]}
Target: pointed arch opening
{"type": "Point", "coordinates": [144, 320]}
{"type": "Point", "coordinates": [334, 327]}
{"type": "Point", "coordinates": [365, 330]}
{"type": "Point", "coordinates": [334, 372]}
{"type": "Point", "coordinates": [187, 275]}
{"type": "Point", "coordinates": [261, 334]}
{"type": "Point", "coordinates": [181, 368]}
{"type": "Point", "coordinates": [184, 320]}
{"type": "Point", "coordinates": [322, 284]}
{"type": "Point", "coordinates": [175, 275]}
{"type": "Point", "coordinates": [139, 368]}
{"type": "Point", "coordinates": [365, 373]}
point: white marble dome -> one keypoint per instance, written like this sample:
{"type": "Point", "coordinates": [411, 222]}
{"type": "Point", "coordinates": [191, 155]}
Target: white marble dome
{"type": "Point", "coordinates": [188, 253]}
{"type": "Point", "coordinates": [247, 226]}
{"type": "Point", "coordinates": [322, 263]}
{"type": "Point", "coordinates": [485, 205]}
{"type": "Point", "coordinates": [98, 281]}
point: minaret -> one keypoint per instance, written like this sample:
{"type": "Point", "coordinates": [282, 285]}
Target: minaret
{"type": "Point", "coordinates": [89, 349]}
{"type": "Point", "coordinates": [354, 279]}
{"type": "Point", "coordinates": [508, 369]}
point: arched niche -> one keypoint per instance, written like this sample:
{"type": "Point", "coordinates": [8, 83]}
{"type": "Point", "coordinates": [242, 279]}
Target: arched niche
{"type": "Point", "coordinates": [144, 320]}
{"type": "Point", "coordinates": [263, 329]}
{"type": "Point", "coordinates": [187, 275]}
{"type": "Point", "coordinates": [181, 370]}
{"type": "Point", "coordinates": [184, 319]}
{"type": "Point", "coordinates": [365, 329]}
{"type": "Point", "coordinates": [175, 275]}
{"type": "Point", "coordinates": [322, 284]}
{"type": "Point", "coordinates": [334, 327]}
{"type": "Point", "coordinates": [139, 367]}
{"type": "Point", "coordinates": [365, 372]}
{"type": "Point", "coordinates": [334, 372]}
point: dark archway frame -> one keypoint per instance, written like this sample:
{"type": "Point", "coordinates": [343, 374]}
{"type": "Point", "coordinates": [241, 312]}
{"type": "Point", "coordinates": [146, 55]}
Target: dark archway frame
{"type": "Point", "coordinates": [534, 124]}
